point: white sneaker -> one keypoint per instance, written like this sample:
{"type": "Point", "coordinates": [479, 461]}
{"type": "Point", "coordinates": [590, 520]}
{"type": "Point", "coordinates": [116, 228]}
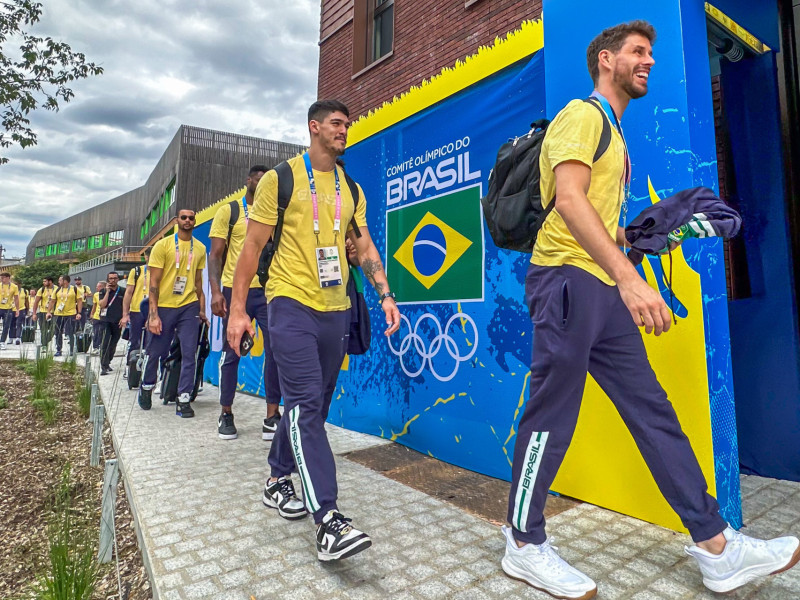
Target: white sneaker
{"type": "Point", "coordinates": [744, 559]}
{"type": "Point", "coordinates": [2, 345]}
{"type": "Point", "coordinates": [541, 567]}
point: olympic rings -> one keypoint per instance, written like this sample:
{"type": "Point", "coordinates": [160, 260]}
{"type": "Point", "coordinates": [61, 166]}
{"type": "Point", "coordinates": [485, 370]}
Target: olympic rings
{"type": "Point", "coordinates": [442, 338]}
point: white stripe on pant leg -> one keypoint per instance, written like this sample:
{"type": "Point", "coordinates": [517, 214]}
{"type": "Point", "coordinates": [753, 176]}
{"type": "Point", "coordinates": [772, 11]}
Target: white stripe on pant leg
{"type": "Point", "coordinates": [297, 448]}
{"type": "Point", "coordinates": [219, 373]}
{"type": "Point", "coordinates": [527, 479]}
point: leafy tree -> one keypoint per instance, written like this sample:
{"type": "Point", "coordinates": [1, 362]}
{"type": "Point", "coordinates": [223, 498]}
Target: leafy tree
{"type": "Point", "coordinates": [35, 77]}
{"type": "Point", "coordinates": [32, 275]}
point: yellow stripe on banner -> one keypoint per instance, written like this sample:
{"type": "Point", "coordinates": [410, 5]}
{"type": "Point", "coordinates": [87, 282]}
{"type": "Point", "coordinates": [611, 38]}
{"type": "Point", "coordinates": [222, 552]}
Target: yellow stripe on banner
{"type": "Point", "coordinates": [518, 44]}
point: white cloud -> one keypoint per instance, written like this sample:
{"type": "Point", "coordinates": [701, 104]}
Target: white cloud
{"type": "Point", "coordinates": [242, 66]}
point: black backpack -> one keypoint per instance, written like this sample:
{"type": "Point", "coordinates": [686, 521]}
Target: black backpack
{"type": "Point", "coordinates": [285, 189]}
{"type": "Point", "coordinates": [512, 206]}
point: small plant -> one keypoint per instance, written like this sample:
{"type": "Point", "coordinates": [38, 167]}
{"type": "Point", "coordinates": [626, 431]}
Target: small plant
{"type": "Point", "coordinates": [38, 368]}
{"type": "Point", "coordinates": [47, 408]}
{"type": "Point", "coordinates": [84, 400]}
{"type": "Point", "coordinates": [72, 570]}
{"type": "Point", "coordinates": [70, 365]}
{"type": "Point", "coordinates": [3, 400]}
{"type": "Point", "coordinates": [24, 357]}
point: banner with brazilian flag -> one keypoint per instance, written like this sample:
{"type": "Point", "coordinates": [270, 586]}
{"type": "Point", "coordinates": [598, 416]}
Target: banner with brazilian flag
{"type": "Point", "coordinates": [435, 248]}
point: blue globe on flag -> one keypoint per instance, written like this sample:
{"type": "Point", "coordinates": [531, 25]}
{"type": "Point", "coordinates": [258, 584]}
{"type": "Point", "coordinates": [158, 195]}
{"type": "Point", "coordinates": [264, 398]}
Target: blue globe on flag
{"type": "Point", "coordinates": [430, 250]}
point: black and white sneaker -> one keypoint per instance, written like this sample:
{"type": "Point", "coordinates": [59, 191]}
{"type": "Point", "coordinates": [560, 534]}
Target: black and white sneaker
{"type": "Point", "coordinates": [145, 398]}
{"type": "Point", "coordinates": [270, 426]}
{"type": "Point", "coordinates": [280, 494]}
{"type": "Point", "coordinates": [337, 539]}
{"type": "Point", "coordinates": [226, 428]}
{"type": "Point", "coordinates": [182, 407]}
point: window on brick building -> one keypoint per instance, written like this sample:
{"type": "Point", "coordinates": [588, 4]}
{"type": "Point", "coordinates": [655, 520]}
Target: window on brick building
{"type": "Point", "coordinates": [373, 31]}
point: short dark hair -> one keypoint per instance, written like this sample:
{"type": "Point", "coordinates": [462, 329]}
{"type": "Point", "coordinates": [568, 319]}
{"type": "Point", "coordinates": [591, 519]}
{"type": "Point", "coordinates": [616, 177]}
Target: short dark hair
{"type": "Point", "coordinates": [66, 278]}
{"type": "Point", "coordinates": [257, 169]}
{"type": "Point", "coordinates": [5, 274]}
{"type": "Point", "coordinates": [110, 273]}
{"type": "Point", "coordinates": [612, 39]}
{"type": "Point", "coordinates": [322, 108]}
{"type": "Point", "coordinates": [48, 278]}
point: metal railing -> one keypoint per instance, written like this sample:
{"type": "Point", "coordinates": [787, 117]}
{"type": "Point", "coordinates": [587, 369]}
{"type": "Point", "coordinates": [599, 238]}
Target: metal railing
{"type": "Point", "coordinates": [122, 254]}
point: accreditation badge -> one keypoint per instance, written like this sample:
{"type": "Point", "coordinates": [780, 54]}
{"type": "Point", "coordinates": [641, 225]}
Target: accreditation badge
{"type": "Point", "coordinates": [328, 267]}
{"type": "Point", "coordinates": [60, 307]}
{"type": "Point", "coordinates": [3, 300]}
{"type": "Point", "coordinates": [103, 312]}
{"type": "Point", "coordinates": [179, 286]}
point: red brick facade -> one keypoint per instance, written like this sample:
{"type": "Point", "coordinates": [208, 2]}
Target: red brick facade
{"type": "Point", "coordinates": [427, 37]}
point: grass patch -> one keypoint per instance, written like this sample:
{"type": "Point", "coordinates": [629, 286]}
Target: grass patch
{"type": "Point", "coordinates": [71, 572]}
{"type": "Point", "coordinates": [38, 368]}
{"type": "Point", "coordinates": [84, 400]}
{"type": "Point", "coordinates": [47, 408]}
{"type": "Point", "coordinates": [24, 357]}
{"type": "Point", "coordinates": [71, 365]}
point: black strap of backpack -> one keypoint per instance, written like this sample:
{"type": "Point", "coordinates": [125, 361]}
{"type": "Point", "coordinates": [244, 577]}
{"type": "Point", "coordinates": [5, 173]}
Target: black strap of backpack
{"type": "Point", "coordinates": [605, 134]}
{"type": "Point", "coordinates": [356, 197]}
{"type": "Point", "coordinates": [285, 189]}
{"type": "Point", "coordinates": [234, 217]}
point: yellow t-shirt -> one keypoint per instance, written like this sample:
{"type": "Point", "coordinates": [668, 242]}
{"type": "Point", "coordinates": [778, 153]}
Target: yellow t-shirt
{"type": "Point", "coordinates": [8, 291]}
{"type": "Point", "coordinates": [66, 302]}
{"type": "Point", "coordinates": [142, 286]}
{"type": "Point", "coordinates": [219, 229]}
{"type": "Point", "coordinates": [574, 135]}
{"type": "Point", "coordinates": [163, 257]}
{"type": "Point", "coordinates": [44, 295]}
{"type": "Point", "coordinates": [293, 272]}
{"type": "Point", "coordinates": [96, 306]}
{"type": "Point", "coordinates": [83, 290]}
{"type": "Point", "coordinates": [22, 297]}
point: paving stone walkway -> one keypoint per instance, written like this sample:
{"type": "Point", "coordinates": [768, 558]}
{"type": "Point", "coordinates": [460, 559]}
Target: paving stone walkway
{"type": "Point", "coordinates": [206, 534]}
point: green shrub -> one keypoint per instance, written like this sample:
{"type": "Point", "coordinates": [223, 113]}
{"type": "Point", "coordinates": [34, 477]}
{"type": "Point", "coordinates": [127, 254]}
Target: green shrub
{"type": "Point", "coordinates": [84, 400]}
{"type": "Point", "coordinates": [71, 571]}
{"type": "Point", "coordinates": [70, 365]}
{"type": "Point", "coordinates": [47, 408]}
{"type": "Point", "coordinates": [3, 402]}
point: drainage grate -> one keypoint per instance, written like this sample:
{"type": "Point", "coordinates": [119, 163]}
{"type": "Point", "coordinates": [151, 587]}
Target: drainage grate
{"type": "Point", "coordinates": [480, 495]}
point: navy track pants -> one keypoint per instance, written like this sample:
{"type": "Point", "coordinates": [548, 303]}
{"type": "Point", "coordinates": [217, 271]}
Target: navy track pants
{"type": "Point", "coordinates": [184, 324]}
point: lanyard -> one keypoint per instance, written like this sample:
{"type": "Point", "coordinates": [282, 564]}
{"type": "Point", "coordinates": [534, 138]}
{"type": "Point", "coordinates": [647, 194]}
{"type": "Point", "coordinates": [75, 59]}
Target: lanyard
{"type": "Point", "coordinates": [338, 218]}
{"type": "Point", "coordinates": [110, 302]}
{"type": "Point", "coordinates": [178, 254]}
{"type": "Point", "coordinates": [63, 296]}
{"type": "Point", "coordinates": [5, 285]}
{"type": "Point", "coordinates": [246, 211]}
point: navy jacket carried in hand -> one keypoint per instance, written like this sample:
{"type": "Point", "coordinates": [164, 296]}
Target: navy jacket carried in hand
{"type": "Point", "coordinates": [697, 211]}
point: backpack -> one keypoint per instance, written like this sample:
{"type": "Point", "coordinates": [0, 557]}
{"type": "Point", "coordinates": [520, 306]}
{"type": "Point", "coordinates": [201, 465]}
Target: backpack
{"type": "Point", "coordinates": [512, 206]}
{"type": "Point", "coordinates": [234, 204]}
{"type": "Point", "coordinates": [285, 189]}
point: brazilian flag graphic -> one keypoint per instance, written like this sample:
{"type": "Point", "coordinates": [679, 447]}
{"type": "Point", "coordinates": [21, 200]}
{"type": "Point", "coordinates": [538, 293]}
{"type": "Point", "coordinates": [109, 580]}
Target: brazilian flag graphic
{"type": "Point", "coordinates": [435, 249]}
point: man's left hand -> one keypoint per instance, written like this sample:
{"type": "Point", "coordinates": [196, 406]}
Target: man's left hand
{"type": "Point", "coordinates": [203, 317]}
{"type": "Point", "coordinates": [389, 307]}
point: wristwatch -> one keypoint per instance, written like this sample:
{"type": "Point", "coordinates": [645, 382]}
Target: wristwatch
{"type": "Point", "coordinates": [385, 296]}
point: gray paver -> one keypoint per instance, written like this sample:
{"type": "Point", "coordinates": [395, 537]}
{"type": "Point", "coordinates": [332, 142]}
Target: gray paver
{"type": "Point", "coordinates": [197, 500]}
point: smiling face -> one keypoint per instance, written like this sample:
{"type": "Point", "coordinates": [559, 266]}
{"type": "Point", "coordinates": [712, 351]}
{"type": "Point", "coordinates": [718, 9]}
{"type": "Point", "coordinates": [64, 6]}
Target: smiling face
{"type": "Point", "coordinates": [630, 67]}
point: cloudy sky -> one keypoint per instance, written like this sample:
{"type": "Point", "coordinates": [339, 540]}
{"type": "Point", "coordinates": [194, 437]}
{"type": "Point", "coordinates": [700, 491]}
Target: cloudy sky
{"type": "Point", "coordinates": [243, 66]}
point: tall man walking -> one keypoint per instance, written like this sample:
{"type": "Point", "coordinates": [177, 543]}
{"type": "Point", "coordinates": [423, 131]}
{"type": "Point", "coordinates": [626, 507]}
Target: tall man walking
{"type": "Point", "coordinates": [587, 302]}
{"type": "Point", "coordinates": [176, 303]}
{"type": "Point", "coordinates": [9, 307]}
{"type": "Point", "coordinates": [309, 318]}
{"type": "Point", "coordinates": [39, 310]}
{"type": "Point", "coordinates": [135, 292]}
{"type": "Point", "coordinates": [65, 305]}
{"type": "Point", "coordinates": [224, 234]}
{"type": "Point", "coordinates": [110, 316]}
{"type": "Point", "coordinates": [96, 327]}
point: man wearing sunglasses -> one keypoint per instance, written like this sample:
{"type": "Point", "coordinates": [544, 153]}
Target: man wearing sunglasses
{"type": "Point", "coordinates": [176, 302]}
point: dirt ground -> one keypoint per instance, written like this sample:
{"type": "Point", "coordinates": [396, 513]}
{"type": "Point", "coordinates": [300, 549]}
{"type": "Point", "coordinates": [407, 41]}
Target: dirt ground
{"type": "Point", "coordinates": [32, 456]}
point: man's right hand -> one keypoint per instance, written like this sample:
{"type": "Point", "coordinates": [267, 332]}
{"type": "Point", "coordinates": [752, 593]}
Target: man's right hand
{"type": "Point", "coordinates": [154, 324]}
{"type": "Point", "coordinates": [33, 317]}
{"type": "Point", "coordinates": [218, 306]}
{"type": "Point", "coordinates": [238, 323]}
{"type": "Point", "coordinates": [645, 304]}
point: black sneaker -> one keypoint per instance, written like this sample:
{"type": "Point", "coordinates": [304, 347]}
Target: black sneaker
{"type": "Point", "coordinates": [270, 426]}
{"type": "Point", "coordinates": [226, 428]}
{"type": "Point", "coordinates": [336, 538]}
{"type": "Point", "coordinates": [145, 398]}
{"type": "Point", "coordinates": [280, 494]}
{"type": "Point", "coordinates": [104, 371]}
{"type": "Point", "coordinates": [184, 410]}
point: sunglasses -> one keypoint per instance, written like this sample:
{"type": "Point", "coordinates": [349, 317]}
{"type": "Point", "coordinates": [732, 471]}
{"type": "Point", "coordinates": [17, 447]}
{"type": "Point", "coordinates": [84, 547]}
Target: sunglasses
{"type": "Point", "coordinates": [186, 218]}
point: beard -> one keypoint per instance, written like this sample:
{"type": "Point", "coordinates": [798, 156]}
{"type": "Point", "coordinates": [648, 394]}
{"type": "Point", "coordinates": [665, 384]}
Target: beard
{"type": "Point", "coordinates": [624, 81]}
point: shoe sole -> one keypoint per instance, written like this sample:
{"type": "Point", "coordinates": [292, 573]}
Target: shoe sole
{"type": "Point", "coordinates": [184, 416]}
{"type": "Point", "coordinates": [512, 573]}
{"type": "Point", "coordinates": [270, 503]}
{"type": "Point", "coordinates": [729, 586]}
{"type": "Point", "coordinates": [268, 437]}
{"type": "Point", "coordinates": [346, 553]}
{"type": "Point", "coordinates": [228, 436]}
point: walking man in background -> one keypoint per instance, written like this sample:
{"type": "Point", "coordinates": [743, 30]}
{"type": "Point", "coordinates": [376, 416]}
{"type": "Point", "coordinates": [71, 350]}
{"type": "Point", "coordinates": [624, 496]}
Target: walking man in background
{"type": "Point", "coordinates": [65, 305]}
{"type": "Point", "coordinates": [96, 327]}
{"type": "Point", "coordinates": [110, 316]}
{"type": "Point", "coordinates": [135, 293]}
{"type": "Point", "coordinates": [587, 302]}
{"type": "Point", "coordinates": [309, 318]}
{"type": "Point", "coordinates": [9, 307]}
{"type": "Point", "coordinates": [177, 305]}
{"type": "Point", "coordinates": [39, 311]}
{"type": "Point", "coordinates": [227, 238]}
{"type": "Point", "coordinates": [24, 300]}
{"type": "Point", "coordinates": [86, 293]}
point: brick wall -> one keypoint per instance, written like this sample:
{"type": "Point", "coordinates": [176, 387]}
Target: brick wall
{"type": "Point", "coordinates": [427, 37]}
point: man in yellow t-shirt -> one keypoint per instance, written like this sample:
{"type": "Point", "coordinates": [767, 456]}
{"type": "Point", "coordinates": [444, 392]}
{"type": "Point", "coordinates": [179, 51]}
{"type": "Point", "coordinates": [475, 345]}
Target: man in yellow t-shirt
{"type": "Point", "coordinates": [65, 305]}
{"type": "Point", "coordinates": [9, 307]}
{"type": "Point", "coordinates": [39, 310]}
{"type": "Point", "coordinates": [96, 327]}
{"type": "Point", "coordinates": [23, 298]}
{"type": "Point", "coordinates": [177, 304]}
{"type": "Point", "coordinates": [134, 310]}
{"type": "Point", "coordinates": [231, 235]}
{"type": "Point", "coordinates": [86, 293]}
{"type": "Point", "coordinates": [309, 317]}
